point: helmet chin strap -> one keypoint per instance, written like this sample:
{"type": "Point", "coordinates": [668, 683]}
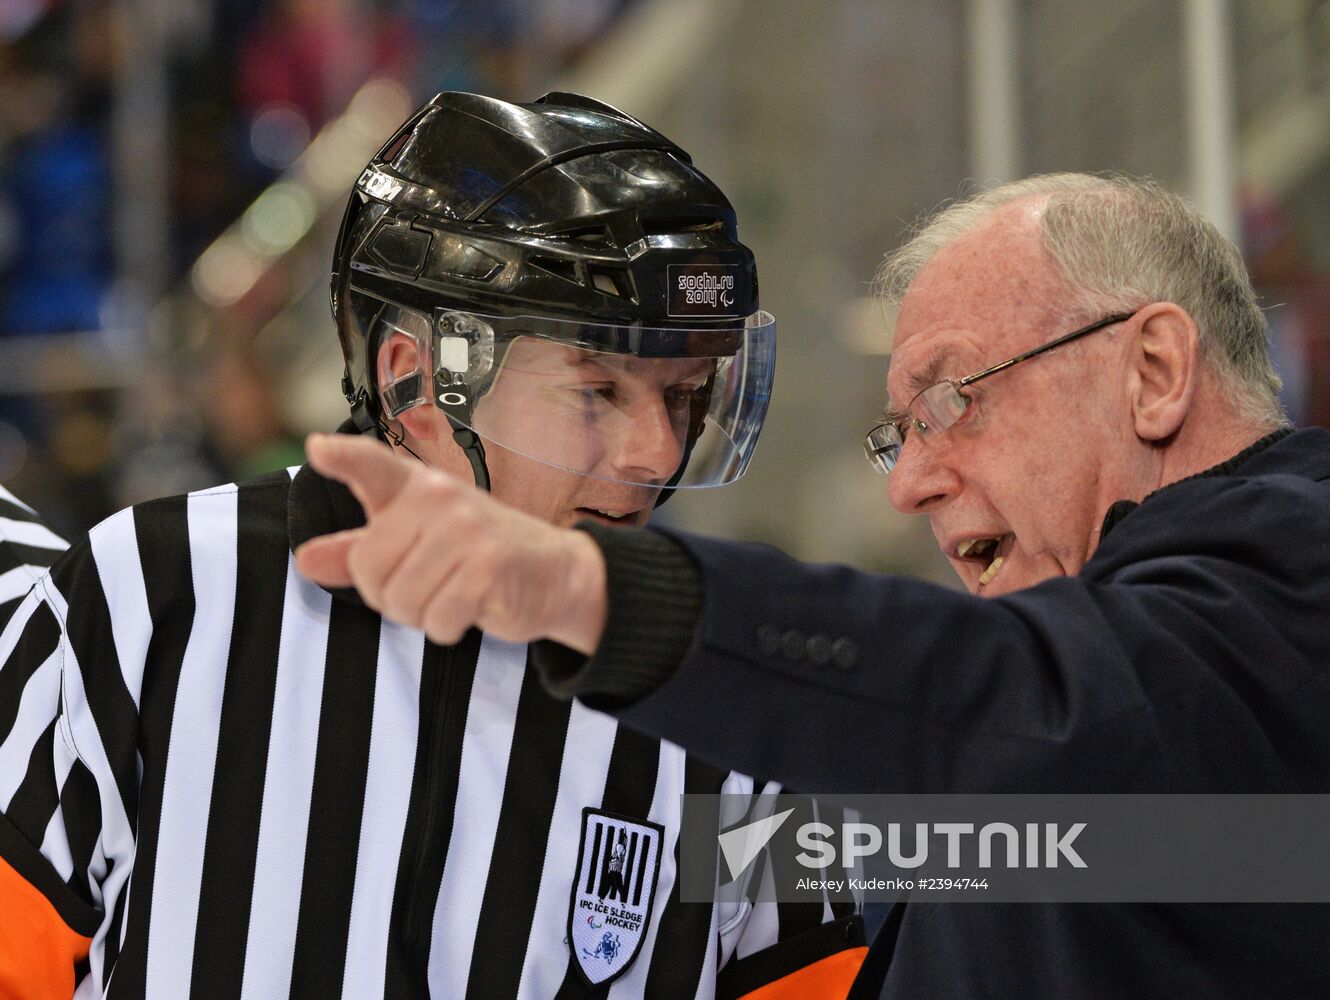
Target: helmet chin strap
{"type": "Point", "coordinates": [470, 443]}
{"type": "Point", "coordinates": [453, 397]}
{"type": "Point", "coordinates": [368, 422]}
{"type": "Point", "coordinates": [467, 439]}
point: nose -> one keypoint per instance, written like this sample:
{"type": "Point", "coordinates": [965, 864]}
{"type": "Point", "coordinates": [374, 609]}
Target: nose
{"type": "Point", "coordinates": [651, 441]}
{"type": "Point", "coordinates": [922, 480]}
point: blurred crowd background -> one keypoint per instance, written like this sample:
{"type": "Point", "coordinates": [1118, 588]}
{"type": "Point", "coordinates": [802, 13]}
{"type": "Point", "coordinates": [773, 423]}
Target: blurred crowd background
{"type": "Point", "coordinates": [172, 173]}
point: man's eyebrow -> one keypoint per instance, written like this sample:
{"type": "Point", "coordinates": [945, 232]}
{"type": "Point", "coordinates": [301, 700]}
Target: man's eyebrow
{"type": "Point", "coordinates": [915, 383]}
{"type": "Point", "coordinates": [597, 364]}
{"type": "Point", "coordinates": [890, 415]}
{"type": "Point", "coordinates": [931, 372]}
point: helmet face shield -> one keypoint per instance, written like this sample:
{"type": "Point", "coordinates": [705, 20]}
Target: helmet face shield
{"type": "Point", "coordinates": [675, 406]}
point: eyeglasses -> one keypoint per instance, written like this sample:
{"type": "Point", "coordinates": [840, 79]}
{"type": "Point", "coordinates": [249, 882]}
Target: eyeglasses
{"type": "Point", "coordinates": [940, 405]}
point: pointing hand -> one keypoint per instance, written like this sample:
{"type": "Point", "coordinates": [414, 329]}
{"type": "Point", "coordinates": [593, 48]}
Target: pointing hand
{"type": "Point", "coordinates": [439, 555]}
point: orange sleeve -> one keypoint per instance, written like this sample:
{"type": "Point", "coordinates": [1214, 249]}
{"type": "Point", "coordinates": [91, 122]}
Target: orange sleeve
{"type": "Point", "coordinates": [828, 978]}
{"type": "Point", "coordinates": [38, 950]}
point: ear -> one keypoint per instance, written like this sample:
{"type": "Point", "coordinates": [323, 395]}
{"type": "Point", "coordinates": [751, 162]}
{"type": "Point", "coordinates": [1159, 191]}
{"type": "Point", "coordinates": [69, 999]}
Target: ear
{"type": "Point", "coordinates": [1163, 370]}
{"type": "Point", "coordinates": [398, 355]}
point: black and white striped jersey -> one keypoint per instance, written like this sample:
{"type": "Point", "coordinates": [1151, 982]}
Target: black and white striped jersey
{"type": "Point", "coordinates": [27, 548]}
{"type": "Point", "coordinates": [232, 783]}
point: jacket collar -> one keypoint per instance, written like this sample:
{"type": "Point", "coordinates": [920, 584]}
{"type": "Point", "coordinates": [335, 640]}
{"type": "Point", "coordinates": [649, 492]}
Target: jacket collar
{"type": "Point", "coordinates": [1227, 467]}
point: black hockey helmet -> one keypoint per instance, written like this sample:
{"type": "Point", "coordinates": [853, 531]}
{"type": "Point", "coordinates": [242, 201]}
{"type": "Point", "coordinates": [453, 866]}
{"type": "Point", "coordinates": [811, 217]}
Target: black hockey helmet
{"type": "Point", "coordinates": [568, 222]}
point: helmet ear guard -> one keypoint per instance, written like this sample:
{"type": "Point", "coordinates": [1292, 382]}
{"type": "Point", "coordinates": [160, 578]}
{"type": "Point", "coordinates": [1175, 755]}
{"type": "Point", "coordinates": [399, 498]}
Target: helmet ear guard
{"type": "Point", "coordinates": [400, 392]}
{"type": "Point", "coordinates": [454, 354]}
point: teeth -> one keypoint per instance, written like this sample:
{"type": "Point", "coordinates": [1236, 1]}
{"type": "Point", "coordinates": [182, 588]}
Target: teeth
{"type": "Point", "coordinates": [975, 546]}
{"type": "Point", "coordinates": [991, 572]}
{"type": "Point", "coordinates": [609, 513]}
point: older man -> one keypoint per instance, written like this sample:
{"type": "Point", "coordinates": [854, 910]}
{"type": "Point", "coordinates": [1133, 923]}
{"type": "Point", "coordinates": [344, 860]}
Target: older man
{"type": "Point", "coordinates": [1081, 403]}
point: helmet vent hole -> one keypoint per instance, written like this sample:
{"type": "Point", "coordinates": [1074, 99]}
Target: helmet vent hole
{"type": "Point", "coordinates": [612, 282]}
{"type": "Point", "coordinates": [401, 250]}
{"type": "Point", "coordinates": [560, 267]}
{"type": "Point", "coordinates": [599, 235]}
{"type": "Point", "coordinates": [667, 227]}
{"type": "Point", "coordinates": [391, 151]}
{"type": "Point", "coordinates": [398, 142]}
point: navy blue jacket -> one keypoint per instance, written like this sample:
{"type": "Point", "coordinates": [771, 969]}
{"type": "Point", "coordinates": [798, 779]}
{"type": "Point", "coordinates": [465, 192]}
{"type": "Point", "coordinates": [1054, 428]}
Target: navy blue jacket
{"type": "Point", "coordinates": [1191, 654]}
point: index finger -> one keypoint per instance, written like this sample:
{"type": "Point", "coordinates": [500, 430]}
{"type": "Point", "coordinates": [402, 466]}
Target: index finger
{"type": "Point", "coordinates": [368, 468]}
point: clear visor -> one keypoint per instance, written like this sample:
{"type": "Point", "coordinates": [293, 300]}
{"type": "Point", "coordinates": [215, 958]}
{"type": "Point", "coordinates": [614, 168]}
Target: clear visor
{"type": "Point", "coordinates": [667, 406]}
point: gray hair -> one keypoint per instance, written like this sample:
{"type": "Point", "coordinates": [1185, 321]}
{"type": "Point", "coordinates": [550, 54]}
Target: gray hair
{"type": "Point", "coordinates": [1119, 243]}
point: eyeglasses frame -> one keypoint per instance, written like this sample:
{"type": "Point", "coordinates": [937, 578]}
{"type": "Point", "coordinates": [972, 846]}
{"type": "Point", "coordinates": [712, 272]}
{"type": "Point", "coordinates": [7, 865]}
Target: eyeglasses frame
{"type": "Point", "coordinates": [968, 380]}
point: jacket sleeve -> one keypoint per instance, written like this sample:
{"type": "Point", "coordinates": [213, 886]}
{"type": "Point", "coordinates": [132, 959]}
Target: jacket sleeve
{"type": "Point", "coordinates": [49, 915]}
{"type": "Point", "coordinates": [1183, 658]}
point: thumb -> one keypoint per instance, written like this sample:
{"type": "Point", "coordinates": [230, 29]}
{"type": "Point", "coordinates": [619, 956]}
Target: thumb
{"type": "Point", "coordinates": [368, 468]}
{"type": "Point", "coordinates": [324, 559]}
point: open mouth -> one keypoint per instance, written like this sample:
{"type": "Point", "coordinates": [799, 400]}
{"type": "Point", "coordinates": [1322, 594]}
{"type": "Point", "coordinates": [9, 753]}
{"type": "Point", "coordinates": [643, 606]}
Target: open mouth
{"type": "Point", "coordinates": [610, 515]}
{"type": "Point", "coordinates": [989, 553]}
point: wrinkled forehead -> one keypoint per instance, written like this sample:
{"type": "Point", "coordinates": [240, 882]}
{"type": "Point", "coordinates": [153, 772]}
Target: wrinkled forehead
{"type": "Point", "coordinates": [909, 372]}
{"type": "Point", "coordinates": [987, 297]}
{"type": "Point", "coordinates": [942, 354]}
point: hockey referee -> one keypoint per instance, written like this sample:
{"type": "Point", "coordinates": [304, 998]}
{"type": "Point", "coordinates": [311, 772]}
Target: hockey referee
{"type": "Point", "coordinates": [27, 548]}
{"type": "Point", "coordinates": [251, 786]}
